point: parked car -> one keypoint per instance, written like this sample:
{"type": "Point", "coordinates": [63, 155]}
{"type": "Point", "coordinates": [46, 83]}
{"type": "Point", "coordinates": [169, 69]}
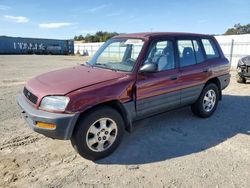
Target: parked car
{"type": "Point", "coordinates": [243, 69]}
{"type": "Point", "coordinates": [131, 77]}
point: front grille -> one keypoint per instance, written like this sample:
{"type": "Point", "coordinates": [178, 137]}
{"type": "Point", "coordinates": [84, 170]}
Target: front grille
{"type": "Point", "coordinates": [30, 96]}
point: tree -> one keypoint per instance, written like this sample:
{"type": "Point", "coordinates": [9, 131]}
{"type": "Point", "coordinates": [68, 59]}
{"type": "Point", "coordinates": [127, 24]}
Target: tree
{"type": "Point", "coordinates": [75, 37]}
{"type": "Point", "coordinates": [99, 36]}
{"type": "Point", "coordinates": [238, 29]}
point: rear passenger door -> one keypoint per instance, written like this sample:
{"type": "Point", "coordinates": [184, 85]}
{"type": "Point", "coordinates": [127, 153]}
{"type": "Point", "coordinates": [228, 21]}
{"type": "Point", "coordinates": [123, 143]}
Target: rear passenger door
{"type": "Point", "coordinates": [193, 69]}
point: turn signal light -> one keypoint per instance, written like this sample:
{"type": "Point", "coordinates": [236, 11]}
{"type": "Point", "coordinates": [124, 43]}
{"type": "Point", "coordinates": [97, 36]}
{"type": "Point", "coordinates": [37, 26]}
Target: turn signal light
{"type": "Point", "coordinates": [45, 125]}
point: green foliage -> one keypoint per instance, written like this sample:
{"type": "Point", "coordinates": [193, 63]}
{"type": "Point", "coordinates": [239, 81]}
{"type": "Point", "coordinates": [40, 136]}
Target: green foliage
{"type": "Point", "coordinates": [80, 37]}
{"type": "Point", "coordinates": [238, 29]}
{"type": "Point", "coordinates": [99, 36]}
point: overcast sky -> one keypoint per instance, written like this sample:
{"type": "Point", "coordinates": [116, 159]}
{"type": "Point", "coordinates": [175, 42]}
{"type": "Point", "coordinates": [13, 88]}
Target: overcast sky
{"type": "Point", "coordinates": [63, 19]}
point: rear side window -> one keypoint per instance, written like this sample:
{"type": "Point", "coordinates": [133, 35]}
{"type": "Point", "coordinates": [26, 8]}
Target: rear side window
{"type": "Point", "coordinates": [190, 52]}
{"type": "Point", "coordinates": [210, 48]}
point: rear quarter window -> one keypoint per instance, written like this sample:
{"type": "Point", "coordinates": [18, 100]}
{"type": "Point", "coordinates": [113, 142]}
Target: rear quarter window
{"type": "Point", "coordinates": [210, 48]}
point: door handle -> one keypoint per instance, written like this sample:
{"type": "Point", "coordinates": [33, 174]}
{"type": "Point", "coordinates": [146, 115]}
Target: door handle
{"type": "Point", "coordinates": [174, 77]}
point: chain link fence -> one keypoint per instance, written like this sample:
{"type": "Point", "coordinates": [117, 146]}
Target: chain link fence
{"type": "Point", "coordinates": [235, 50]}
{"type": "Point", "coordinates": [234, 47]}
{"type": "Point", "coordinates": [87, 49]}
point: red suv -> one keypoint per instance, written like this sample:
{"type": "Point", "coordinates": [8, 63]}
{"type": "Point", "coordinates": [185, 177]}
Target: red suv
{"type": "Point", "coordinates": [132, 76]}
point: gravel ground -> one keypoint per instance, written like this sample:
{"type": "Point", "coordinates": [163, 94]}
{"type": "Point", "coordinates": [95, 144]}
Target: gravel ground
{"type": "Point", "coordinates": [174, 149]}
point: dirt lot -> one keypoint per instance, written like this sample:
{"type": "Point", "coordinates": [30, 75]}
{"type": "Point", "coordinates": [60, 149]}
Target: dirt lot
{"type": "Point", "coordinates": [174, 149]}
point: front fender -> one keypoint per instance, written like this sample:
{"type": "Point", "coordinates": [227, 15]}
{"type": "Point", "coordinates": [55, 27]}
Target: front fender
{"type": "Point", "coordinates": [88, 97]}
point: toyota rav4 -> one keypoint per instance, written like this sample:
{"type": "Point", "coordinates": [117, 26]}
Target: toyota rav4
{"type": "Point", "coordinates": [132, 76]}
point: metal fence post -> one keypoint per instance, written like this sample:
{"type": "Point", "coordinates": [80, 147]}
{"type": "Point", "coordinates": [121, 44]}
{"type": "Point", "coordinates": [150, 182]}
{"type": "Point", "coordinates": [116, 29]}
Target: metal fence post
{"type": "Point", "coordinates": [231, 51]}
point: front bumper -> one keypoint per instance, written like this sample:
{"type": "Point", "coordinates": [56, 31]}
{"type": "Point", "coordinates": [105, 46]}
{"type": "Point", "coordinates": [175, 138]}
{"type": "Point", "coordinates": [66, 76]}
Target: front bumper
{"type": "Point", "coordinates": [65, 123]}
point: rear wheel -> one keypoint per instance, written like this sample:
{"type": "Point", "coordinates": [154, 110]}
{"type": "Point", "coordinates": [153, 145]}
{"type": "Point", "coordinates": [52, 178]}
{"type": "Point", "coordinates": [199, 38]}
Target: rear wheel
{"type": "Point", "coordinates": [207, 102]}
{"type": "Point", "coordinates": [240, 79]}
{"type": "Point", "coordinates": [98, 133]}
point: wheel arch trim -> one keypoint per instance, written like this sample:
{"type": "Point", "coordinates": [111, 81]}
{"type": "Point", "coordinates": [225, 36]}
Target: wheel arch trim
{"type": "Point", "coordinates": [126, 110]}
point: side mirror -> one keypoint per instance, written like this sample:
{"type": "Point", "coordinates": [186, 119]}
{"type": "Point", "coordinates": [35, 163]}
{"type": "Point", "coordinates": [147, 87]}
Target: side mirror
{"type": "Point", "coordinates": [149, 67]}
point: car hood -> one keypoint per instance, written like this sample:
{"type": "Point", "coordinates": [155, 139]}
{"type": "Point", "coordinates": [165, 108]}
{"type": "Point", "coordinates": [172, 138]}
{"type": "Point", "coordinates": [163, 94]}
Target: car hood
{"type": "Point", "coordinates": [61, 82]}
{"type": "Point", "coordinates": [246, 60]}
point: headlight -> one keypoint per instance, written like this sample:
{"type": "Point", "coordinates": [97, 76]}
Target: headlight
{"type": "Point", "coordinates": [54, 103]}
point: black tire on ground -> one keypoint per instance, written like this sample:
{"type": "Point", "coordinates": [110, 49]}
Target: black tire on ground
{"type": "Point", "coordinates": [240, 79]}
{"type": "Point", "coordinates": [79, 137]}
{"type": "Point", "coordinates": [198, 109]}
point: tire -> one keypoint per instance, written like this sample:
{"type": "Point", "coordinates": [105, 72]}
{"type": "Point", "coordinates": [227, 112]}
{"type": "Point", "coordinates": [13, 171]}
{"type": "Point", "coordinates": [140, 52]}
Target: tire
{"type": "Point", "coordinates": [92, 138]}
{"type": "Point", "coordinates": [240, 79]}
{"type": "Point", "coordinates": [207, 103]}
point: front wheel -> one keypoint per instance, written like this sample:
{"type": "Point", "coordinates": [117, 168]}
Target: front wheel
{"type": "Point", "coordinates": [207, 102]}
{"type": "Point", "coordinates": [98, 133]}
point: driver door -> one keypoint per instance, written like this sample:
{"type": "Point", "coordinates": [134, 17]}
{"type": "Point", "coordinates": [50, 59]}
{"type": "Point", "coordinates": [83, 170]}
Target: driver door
{"type": "Point", "coordinates": [159, 91]}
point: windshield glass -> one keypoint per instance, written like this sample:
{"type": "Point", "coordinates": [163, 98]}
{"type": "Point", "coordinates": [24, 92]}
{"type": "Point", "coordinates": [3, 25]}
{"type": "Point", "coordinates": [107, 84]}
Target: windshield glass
{"type": "Point", "coordinates": [118, 54]}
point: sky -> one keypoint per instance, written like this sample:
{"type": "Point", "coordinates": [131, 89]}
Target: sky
{"type": "Point", "coordinates": [63, 19]}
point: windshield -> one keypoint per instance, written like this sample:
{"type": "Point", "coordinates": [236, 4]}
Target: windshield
{"type": "Point", "coordinates": [118, 54]}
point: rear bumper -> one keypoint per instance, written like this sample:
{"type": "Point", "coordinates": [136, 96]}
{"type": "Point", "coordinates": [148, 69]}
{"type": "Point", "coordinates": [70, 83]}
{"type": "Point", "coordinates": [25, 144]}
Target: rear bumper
{"type": "Point", "coordinates": [65, 123]}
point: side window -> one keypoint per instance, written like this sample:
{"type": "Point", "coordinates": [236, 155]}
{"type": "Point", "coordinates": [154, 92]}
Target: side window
{"type": "Point", "coordinates": [210, 48]}
{"type": "Point", "coordinates": [186, 53]}
{"type": "Point", "coordinates": [162, 54]}
{"type": "Point", "coordinates": [190, 52]}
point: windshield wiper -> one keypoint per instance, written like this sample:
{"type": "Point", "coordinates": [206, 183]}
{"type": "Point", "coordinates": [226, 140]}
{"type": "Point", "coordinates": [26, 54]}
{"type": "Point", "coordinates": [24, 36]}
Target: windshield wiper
{"type": "Point", "coordinates": [88, 64]}
{"type": "Point", "coordinates": [104, 66]}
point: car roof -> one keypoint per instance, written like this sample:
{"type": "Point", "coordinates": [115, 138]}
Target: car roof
{"type": "Point", "coordinates": [158, 34]}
